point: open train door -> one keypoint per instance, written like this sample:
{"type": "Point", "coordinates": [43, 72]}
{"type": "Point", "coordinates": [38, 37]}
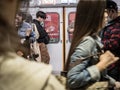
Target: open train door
{"type": "Point", "coordinates": [54, 27]}
{"type": "Point", "coordinates": [69, 26]}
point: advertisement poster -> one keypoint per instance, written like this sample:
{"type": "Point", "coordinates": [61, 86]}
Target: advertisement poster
{"type": "Point", "coordinates": [71, 19]}
{"type": "Point", "coordinates": [52, 26]}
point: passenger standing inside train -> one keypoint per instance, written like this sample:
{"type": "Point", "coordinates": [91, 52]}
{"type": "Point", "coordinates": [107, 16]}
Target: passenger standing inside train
{"type": "Point", "coordinates": [41, 36]}
{"type": "Point", "coordinates": [86, 47]}
{"type": "Point", "coordinates": [17, 73]}
{"type": "Point", "coordinates": [71, 27]}
{"type": "Point", "coordinates": [23, 27]}
{"type": "Point", "coordinates": [32, 40]}
{"type": "Point", "coordinates": [29, 18]}
{"type": "Point", "coordinates": [111, 37]}
{"type": "Point", "coordinates": [24, 30]}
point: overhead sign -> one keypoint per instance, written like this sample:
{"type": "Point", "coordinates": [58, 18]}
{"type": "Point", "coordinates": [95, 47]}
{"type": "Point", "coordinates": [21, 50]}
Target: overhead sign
{"type": "Point", "coordinates": [72, 1]}
{"type": "Point", "coordinates": [64, 1]}
{"type": "Point", "coordinates": [48, 1]}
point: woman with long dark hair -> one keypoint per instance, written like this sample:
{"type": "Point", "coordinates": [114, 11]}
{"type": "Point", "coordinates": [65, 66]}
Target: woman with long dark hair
{"type": "Point", "coordinates": [85, 64]}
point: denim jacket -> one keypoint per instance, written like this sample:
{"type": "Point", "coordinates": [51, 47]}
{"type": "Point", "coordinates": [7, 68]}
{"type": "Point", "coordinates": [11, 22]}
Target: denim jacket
{"type": "Point", "coordinates": [86, 72]}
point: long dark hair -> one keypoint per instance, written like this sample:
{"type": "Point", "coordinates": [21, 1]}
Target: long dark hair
{"type": "Point", "coordinates": [89, 18]}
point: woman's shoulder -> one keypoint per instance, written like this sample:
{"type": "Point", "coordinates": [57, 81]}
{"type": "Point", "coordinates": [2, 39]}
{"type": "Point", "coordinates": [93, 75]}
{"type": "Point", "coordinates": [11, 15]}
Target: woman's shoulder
{"type": "Point", "coordinates": [87, 42]}
{"type": "Point", "coordinates": [17, 70]}
{"type": "Point", "coordinates": [91, 41]}
{"type": "Point", "coordinates": [88, 38]}
{"type": "Point", "coordinates": [20, 62]}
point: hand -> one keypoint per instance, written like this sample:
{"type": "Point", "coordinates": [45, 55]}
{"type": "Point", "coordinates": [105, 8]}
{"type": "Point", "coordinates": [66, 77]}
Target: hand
{"type": "Point", "coordinates": [22, 41]}
{"type": "Point", "coordinates": [28, 32]}
{"type": "Point", "coordinates": [106, 59]}
{"type": "Point", "coordinates": [20, 53]}
{"type": "Point", "coordinates": [117, 86]}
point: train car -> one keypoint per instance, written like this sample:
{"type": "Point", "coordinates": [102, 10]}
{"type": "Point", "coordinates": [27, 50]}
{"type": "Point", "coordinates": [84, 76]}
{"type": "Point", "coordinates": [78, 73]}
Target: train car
{"type": "Point", "coordinates": [60, 19]}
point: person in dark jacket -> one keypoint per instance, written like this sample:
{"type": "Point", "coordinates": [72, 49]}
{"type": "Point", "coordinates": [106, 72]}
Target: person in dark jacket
{"type": "Point", "coordinates": [41, 35]}
{"type": "Point", "coordinates": [111, 37]}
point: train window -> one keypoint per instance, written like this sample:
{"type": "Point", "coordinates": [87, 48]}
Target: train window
{"type": "Point", "coordinates": [52, 24]}
{"type": "Point", "coordinates": [71, 19]}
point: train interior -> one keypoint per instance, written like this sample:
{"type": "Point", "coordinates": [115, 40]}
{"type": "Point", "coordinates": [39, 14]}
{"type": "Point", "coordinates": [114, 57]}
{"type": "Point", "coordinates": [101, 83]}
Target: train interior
{"type": "Point", "coordinates": [60, 19]}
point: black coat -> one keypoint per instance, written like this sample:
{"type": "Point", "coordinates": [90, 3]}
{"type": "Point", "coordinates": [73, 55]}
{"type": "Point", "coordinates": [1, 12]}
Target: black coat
{"type": "Point", "coordinates": [43, 34]}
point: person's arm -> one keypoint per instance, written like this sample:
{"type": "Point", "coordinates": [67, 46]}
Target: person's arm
{"type": "Point", "coordinates": [25, 28]}
{"type": "Point", "coordinates": [28, 30]}
{"type": "Point", "coordinates": [21, 33]}
{"type": "Point", "coordinates": [82, 74]}
{"type": "Point", "coordinates": [85, 73]}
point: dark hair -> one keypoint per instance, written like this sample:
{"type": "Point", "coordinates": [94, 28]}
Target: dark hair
{"type": "Point", "coordinates": [111, 5]}
{"type": "Point", "coordinates": [29, 18]}
{"type": "Point", "coordinates": [88, 21]}
{"type": "Point", "coordinates": [22, 14]}
{"type": "Point", "coordinates": [41, 14]}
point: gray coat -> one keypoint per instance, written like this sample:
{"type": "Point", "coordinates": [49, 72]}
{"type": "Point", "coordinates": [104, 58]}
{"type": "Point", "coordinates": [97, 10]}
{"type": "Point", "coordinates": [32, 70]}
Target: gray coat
{"type": "Point", "coordinates": [86, 72]}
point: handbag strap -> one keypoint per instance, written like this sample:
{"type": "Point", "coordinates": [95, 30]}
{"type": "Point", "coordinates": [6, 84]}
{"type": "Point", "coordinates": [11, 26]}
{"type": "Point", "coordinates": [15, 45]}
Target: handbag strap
{"type": "Point", "coordinates": [98, 46]}
{"type": "Point", "coordinates": [78, 61]}
{"type": "Point", "coordinates": [36, 31]}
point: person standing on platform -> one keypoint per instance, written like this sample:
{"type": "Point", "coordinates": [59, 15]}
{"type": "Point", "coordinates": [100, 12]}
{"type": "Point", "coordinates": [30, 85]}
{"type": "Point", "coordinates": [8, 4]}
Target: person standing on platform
{"type": "Point", "coordinates": [41, 36]}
